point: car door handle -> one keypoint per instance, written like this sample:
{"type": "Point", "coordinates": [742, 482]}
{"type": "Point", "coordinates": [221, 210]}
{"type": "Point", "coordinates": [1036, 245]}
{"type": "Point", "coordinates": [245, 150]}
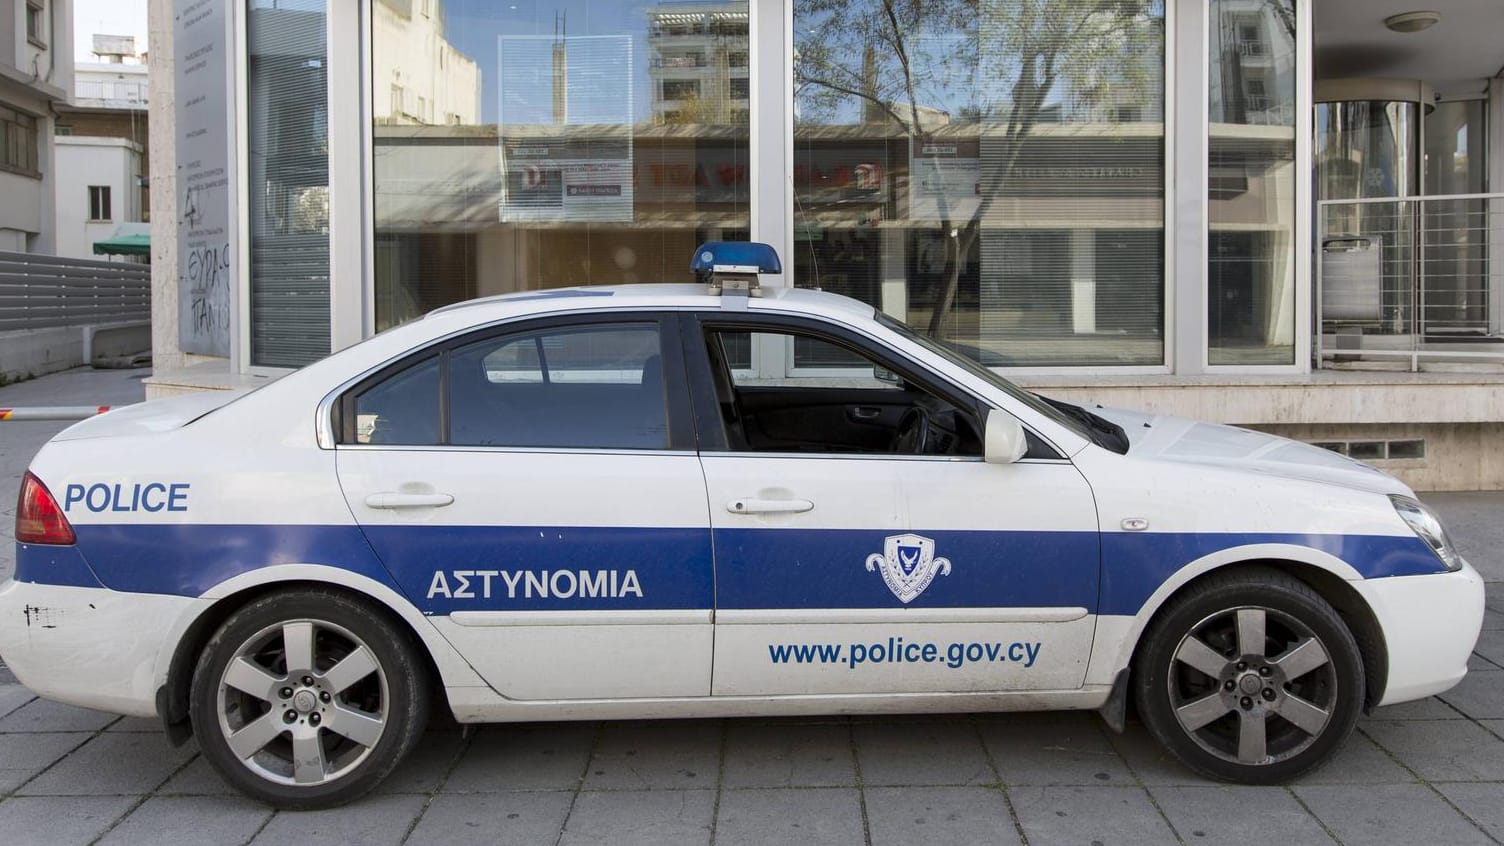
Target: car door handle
{"type": "Point", "coordinates": [749, 505]}
{"type": "Point", "coordinates": [865, 412]}
{"type": "Point", "coordinates": [393, 499]}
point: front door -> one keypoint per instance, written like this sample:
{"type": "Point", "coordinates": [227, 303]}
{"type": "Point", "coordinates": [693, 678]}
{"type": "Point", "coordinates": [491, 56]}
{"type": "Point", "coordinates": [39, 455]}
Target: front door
{"type": "Point", "coordinates": [535, 490]}
{"type": "Point", "coordinates": [867, 548]}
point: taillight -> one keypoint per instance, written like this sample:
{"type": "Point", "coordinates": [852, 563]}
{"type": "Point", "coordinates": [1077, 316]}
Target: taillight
{"type": "Point", "coordinates": [38, 519]}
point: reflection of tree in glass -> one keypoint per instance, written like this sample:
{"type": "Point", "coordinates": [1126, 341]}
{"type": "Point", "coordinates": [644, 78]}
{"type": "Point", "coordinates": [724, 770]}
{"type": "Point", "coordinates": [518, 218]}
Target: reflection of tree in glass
{"type": "Point", "coordinates": [1003, 66]}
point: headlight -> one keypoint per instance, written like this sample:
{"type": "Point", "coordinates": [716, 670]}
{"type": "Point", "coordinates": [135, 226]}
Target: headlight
{"type": "Point", "coordinates": [1427, 526]}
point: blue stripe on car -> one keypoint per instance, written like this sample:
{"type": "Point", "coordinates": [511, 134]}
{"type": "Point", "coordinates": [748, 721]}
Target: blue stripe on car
{"type": "Point", "coordinates": [762, 568]}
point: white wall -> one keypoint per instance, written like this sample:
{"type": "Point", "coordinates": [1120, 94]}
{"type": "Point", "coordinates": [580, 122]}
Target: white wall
{"type": "Point", "coordinates": [413, 54]}
{"type": "Point", "coordinates": [82, 162]}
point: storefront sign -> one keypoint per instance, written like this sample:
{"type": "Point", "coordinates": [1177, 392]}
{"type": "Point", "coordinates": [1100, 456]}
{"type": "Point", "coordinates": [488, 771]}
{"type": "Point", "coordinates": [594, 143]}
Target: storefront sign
{"type": "Point", "coordinates": [205, 270]}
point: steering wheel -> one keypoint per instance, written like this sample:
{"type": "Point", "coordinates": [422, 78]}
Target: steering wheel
{"type": "Point", "coordinates": [912, 434]}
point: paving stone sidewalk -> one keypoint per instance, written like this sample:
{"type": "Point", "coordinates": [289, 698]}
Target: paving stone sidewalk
{"type": "Point", "coordinates": [1430, 771]}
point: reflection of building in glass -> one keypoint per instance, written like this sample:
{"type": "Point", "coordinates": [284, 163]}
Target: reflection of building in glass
{"type": "Point", "coordinates": [565, 127]}
{"type": "Point", "coordinates": [421, 78]}
{"type": "Point", "coordinates": [1251, 182]}
{"type": "Point", "coordinates": [1254, 63]}
{"type": "Point", "coordinates": [698, 64]}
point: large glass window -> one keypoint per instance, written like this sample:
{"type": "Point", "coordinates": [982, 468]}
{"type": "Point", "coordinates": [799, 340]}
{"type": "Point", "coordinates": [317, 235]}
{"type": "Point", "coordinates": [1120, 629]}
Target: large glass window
{"type": "Point", "coordinates": [1454, 262]}
{"type": "Point", "coordinates": [1251, 183]}
{"type": "Point", "coordinates": [288, 122]}
{"type": "Point", "coordinates": [547, 143]}
{"type": "Point", "coordinates": [992, 172]}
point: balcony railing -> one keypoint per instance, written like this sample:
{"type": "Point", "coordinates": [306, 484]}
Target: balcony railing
{"type": "Point", "coordinates": [1410, 279]}
{"type": "Point", "coordinates": [121, 90]}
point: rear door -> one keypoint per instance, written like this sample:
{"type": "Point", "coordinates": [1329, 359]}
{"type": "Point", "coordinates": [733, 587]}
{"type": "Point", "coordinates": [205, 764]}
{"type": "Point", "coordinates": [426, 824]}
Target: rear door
{"type": "Point", "coordinates": [535, 490]}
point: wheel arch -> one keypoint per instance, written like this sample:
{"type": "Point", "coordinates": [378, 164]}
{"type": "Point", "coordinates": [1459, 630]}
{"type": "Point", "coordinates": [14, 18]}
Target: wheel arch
{"type": "Point", "coordinates": [1329, 576]}
{"type": "Point", "coordinates": [175, 666]}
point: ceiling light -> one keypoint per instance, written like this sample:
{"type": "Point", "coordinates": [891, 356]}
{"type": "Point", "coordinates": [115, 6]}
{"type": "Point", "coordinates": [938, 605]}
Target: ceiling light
{"type": "Point", "coordinates": [1412, 21]}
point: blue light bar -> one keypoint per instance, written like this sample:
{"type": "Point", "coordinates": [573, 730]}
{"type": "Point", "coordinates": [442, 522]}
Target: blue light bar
{"type": "Point", "coordinates": [743, 256]}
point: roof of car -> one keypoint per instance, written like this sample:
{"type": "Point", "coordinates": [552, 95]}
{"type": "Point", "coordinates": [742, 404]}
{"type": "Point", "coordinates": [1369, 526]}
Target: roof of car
{"type": "Point", "coordinates": [681, 296]}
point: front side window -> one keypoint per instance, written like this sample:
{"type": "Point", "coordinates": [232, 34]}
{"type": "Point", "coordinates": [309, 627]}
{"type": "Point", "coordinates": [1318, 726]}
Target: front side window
{"type": "Point", "coordinates": [853, 403]}
{"type": "Point", "coordinates": [579, 387]}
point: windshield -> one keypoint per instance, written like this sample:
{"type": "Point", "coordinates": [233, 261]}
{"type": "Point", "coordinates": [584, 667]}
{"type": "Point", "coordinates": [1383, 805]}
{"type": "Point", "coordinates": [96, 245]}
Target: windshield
{"type": "Point", "coordinates": [971, 365]}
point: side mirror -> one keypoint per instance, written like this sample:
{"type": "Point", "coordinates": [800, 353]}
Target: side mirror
{"type": "Point", "coordinates": [1004, 441]}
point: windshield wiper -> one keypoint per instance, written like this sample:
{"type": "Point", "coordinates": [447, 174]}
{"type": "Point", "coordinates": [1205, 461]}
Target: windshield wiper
{"type": "Point", "coordinates": [1103, 432]}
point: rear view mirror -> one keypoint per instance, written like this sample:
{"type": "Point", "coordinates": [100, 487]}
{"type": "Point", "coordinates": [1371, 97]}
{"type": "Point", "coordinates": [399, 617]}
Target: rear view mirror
{"type": "Point", "coordinates": [1004, 441]}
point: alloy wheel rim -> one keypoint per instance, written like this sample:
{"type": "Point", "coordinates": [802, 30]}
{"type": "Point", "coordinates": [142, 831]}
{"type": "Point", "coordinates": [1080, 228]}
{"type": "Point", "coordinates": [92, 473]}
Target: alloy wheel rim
{"type": "Point", "coordinates": [303, 702]}
{"type": "Point", "coordinates": [1252, 685]}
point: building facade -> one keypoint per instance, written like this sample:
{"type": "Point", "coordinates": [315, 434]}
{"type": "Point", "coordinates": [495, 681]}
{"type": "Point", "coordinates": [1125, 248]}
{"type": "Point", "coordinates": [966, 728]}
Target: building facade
{"type": "Point", "coordinates": [101, 140]}
{"type": "Point", "coordinates": [36, 74]}
{"type": "Point", "coordinates": [1120, 201]}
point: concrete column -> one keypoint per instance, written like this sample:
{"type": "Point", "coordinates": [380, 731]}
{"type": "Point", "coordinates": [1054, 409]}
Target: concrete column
{"type": "Point", "coordinates": [162, 149]}
{"type": "Point", "coordinates": [1083, 281]}
{"type": "Point", "coordinates": [895, 285]}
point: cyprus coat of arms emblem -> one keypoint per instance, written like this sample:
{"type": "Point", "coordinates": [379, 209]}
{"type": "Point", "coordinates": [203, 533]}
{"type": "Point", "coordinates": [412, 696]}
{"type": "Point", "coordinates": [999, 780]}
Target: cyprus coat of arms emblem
{"type": "Point", "coordinates": [908, 565]}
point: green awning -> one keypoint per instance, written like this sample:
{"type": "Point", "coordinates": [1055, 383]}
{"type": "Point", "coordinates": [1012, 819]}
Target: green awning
{"type": "Point", "coordinates": [124, 245]}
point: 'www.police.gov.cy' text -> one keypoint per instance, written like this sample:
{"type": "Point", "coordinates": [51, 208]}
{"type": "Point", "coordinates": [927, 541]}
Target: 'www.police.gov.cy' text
{"type": "Point", "coordinates": [895, 651]}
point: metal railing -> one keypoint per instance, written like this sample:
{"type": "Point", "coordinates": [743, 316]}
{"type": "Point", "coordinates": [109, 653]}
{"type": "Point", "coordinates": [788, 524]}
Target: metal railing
{"type": "Point", "coordinates": [44, 292]}
{"type": "Point", "coordinates": [125, 90]}
{"type": "Point", "coordinates": [1410, 278]}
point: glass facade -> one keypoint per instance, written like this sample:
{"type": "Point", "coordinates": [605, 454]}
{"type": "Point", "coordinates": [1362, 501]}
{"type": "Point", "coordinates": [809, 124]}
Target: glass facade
{"type": "Point", "coordinates": [992, 173]}
{"type": "Point", "coordinates": [552, 143]}
{"type": "Point", "coordinates": [1455, 249]}
{"type": "Point", "coordinates": [287, 106]}
{"type": "Point", "coordinates": [1251, 179]}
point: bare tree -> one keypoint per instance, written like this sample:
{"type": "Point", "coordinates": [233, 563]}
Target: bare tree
{"type": "Point", "coordinates": [1065, 56]}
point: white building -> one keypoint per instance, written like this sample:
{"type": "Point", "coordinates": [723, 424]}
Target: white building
{"type": "Point", "coordinates": [101, 149]}
{"type": "Point", "coordinates": [36, 73]}
{"type": "Point", "coordinates": [426, 80]}
{"type": "Point", "coordinates": [98, 189]}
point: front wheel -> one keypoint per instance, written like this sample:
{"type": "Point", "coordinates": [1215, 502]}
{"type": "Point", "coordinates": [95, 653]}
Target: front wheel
{"type": "Point", "coordinates": [1250, 677]}
{"type": "Point", "coordinates": [307, 699]}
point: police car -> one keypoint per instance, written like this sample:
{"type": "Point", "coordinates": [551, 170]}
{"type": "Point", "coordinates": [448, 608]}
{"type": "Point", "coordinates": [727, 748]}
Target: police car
{"type": "Point", "coordinates": [696, 501]}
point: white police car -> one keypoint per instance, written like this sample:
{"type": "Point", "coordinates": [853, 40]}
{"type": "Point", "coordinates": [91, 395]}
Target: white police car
{"type": "Point", "coordinates": [662, 501]}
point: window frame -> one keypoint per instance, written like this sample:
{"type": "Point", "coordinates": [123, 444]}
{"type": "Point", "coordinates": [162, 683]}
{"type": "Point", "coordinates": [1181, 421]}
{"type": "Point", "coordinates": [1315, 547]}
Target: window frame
{"type": "Point", "coordinates": [695, 331]}
{"type": "Point", "coordinates": [677, 412]}
{"type": "Point", "coordinates": [37, 10]}
{"type": "Point", "coordinates": [105, 204]}
{"type": "Point", "coordinates": [15, 124]}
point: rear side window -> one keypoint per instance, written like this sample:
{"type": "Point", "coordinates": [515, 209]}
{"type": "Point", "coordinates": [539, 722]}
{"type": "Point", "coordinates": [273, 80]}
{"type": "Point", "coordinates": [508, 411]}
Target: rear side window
{"type": "Point", "coordinates": [402, 408]}
{"type": "Point", "coordinates": [597, 386]}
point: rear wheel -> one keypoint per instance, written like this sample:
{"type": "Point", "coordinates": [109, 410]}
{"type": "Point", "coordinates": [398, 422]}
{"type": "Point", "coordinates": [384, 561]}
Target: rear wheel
{"type": "Point", "coordinates": [1250, 677]}
{"type": "Point", "coordinates": [308, 699]}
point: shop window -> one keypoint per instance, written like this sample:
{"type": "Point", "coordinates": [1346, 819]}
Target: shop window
{"type": "Point", "coordinates": [288, 137]}
{"type": "Point", "coordinates": [1251, 193]}
{"type": "Point", "coordinates": [99, 203]}
{"type": "Point", "coordinates": [550, 165]}
{"type": "Point", "coordinates": [1018, 216]}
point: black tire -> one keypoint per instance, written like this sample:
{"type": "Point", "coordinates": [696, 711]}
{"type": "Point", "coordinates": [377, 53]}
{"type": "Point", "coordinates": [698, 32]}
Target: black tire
{"type": "Point", "coordinates": [1256, 713]}
{"type": "Point", "coordinates": [316, 737]}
